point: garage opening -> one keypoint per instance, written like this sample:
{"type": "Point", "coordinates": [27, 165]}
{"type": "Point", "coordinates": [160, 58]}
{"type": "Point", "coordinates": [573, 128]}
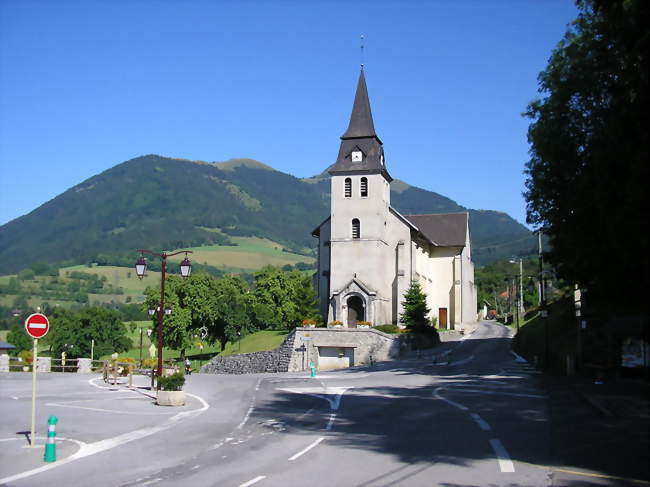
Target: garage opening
{"type": "Point", "coordinates": [335, 357]}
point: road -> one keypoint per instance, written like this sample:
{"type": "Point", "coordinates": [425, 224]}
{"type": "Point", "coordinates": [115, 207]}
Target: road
{"type": "Point", "coordinates": [475, 417]}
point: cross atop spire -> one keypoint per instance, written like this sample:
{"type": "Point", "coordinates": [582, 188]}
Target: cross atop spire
{"type": "Point", "coordinates": [361, 124]}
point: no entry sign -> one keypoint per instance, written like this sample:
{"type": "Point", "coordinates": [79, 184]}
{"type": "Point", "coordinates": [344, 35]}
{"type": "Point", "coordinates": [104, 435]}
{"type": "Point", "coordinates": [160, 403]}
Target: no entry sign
{"type": "Point", "coordinates": [37, 325]}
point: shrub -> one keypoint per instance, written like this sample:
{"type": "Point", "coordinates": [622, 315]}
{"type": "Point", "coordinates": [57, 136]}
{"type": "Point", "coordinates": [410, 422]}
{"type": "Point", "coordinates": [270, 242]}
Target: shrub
{"type": "Point", "coordinates": [149, 363]}
{"type": "Point", "coordinates": [172, 382]}
{"type": "Point", "coordinates": [27, 356]}
{"type": "Point", "coordinates": [389, 328]}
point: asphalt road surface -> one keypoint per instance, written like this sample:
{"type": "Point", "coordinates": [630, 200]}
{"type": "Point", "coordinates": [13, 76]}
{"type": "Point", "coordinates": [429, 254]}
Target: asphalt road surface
{"type": "Point", "coordinates": [473, 415]}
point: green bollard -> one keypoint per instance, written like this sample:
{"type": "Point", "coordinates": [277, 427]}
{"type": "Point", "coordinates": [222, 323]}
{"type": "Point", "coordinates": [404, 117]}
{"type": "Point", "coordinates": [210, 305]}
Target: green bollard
{"type": "Point", "coordinates": [50, 446]}
{"type": "Point", "coordinates": [313, 369]}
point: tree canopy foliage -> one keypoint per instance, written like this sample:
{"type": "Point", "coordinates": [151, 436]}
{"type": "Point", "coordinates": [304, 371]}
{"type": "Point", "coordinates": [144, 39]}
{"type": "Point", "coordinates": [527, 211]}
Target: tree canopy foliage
{"type": "Point", "coordinates": [72, 331]}
{"type": "Point", "coordinates": [227, 308]}
{"type": "Point", "coordinates": [587, 177]}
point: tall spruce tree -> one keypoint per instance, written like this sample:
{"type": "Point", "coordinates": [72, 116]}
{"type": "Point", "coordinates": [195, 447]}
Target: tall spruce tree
{"type": "Point", "coordinates": [416, 311]}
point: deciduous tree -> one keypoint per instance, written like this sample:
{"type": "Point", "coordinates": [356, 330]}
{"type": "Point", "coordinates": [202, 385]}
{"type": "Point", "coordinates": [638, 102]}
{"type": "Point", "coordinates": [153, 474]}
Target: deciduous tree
{"type": "Point", "coordinates": [588, 173]}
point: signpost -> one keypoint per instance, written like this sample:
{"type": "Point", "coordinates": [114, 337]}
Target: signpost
{"type": "Point", "coordinates": [37, 326]}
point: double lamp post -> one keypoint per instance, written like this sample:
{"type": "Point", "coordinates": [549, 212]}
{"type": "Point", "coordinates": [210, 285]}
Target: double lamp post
{"type": "Point", "coordinates": [140, 269]}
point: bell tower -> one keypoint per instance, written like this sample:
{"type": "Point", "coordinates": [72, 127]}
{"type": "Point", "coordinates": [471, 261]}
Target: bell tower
{"type": "Point", "coordinates": [360, 202]}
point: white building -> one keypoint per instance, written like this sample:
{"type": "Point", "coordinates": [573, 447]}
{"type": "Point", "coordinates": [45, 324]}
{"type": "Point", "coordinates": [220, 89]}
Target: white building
{"type": "Point", "coordinates": [368, 253]}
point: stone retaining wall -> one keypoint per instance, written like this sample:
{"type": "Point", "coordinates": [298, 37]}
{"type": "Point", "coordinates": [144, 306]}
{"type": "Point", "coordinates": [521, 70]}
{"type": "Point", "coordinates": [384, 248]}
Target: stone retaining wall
{"type": "Point", "coordinates": [251, 363]}
{"type": "Point", "coordinates": [302, 346]}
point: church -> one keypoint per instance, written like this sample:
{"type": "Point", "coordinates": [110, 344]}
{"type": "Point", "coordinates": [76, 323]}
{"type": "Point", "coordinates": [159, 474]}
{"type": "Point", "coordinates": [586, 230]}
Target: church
{"type": "Point", "coordinates": [369, 253]}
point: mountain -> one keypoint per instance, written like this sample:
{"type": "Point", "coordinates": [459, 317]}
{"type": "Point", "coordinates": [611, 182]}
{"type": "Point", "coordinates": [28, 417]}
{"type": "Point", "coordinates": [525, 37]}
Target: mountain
{"type": "Point", "coordinates": [162, 203]}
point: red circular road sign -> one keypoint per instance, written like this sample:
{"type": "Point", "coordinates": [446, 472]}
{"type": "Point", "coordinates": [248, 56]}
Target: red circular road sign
{"type": "Point", "coordinates": [37, 325]}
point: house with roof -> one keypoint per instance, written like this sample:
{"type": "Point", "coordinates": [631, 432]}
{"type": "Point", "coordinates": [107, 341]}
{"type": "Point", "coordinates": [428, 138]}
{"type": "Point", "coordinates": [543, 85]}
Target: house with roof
{"type": "Point", "coordinates": [369, 253]}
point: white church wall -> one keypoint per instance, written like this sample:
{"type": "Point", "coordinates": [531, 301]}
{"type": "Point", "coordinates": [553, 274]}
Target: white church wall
{"type": "Point", "coordinates": [440, 292]}
{"type": "Point", "coordinates": [365, 257]}
{"type": "Point", "coordinates": [469, 302]}
{"type": "Point", "coordinates": [324, 267]}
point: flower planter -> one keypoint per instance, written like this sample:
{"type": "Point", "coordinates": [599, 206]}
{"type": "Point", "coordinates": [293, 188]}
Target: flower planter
{"type": "Point", "coordinates": [171, 398]}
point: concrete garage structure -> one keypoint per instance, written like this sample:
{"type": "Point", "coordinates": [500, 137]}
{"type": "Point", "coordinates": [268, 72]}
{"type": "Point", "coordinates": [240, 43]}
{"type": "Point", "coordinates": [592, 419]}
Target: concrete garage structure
{"type": "Point", "coordinates": [338, 348]}
{"type": "Point", "coordinates": [368, 253]}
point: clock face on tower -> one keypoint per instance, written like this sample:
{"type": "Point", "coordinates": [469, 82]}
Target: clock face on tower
{"type": "Point", "coordinates": [357, 156]}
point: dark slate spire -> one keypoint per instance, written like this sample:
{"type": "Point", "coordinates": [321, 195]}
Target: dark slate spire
{"type": "Point", "coordinates": [360, 137]}
{"type": "Point", "coordinates": [361, 124]}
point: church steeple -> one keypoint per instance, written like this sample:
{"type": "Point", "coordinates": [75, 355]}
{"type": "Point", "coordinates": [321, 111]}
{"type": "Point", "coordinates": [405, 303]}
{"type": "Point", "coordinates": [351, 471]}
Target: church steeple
{"type": "Point", "coordinates": [361, 124]}
{"type": "Point", "coordinates": [361, 150]}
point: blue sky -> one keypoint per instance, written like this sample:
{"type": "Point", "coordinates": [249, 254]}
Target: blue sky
{"type": "Point", "coordinates": [86, 85]}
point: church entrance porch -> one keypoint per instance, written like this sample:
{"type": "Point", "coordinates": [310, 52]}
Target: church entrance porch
{"type": "Point", "coordinates": [353, 303]}
{"type": "Point", "coordinates": [356, 311]}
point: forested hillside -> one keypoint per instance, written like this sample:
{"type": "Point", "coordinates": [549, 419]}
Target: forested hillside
{"type": "Point", "coordinates": [163, 203]}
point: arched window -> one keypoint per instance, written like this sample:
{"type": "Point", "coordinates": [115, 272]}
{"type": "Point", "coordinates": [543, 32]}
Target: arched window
{"type": "Point", "coordinates": [356, 228]}
{"type": "Point", "coordinates": [364, 187]}
{"type": "Point", "coordinates": [348, 188]}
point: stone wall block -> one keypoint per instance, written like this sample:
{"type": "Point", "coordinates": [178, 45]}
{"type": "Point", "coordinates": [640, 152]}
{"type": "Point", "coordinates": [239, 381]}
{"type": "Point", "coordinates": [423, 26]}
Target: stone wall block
{"type": "Point", "coordinates": [84, 366]}
{"type": "Point", "coordinates": [43, 364]}
{"type": "Point", "coordinates": [4, 363]}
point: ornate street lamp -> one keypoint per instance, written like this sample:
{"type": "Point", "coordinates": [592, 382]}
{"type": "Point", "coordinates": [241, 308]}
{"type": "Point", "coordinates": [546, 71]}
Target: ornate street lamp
{"type": "Point", "coordinates": [186, 267]}
{"type": "Point", "coordinates": [140, 269]}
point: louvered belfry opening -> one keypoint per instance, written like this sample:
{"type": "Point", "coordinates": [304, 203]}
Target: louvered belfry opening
{"type": "Point", "coordinates": [364, 187]}
{"type": "Point", "coordinates": [356, 228]}
{"type": "Point", "coordinates": [348, 188]}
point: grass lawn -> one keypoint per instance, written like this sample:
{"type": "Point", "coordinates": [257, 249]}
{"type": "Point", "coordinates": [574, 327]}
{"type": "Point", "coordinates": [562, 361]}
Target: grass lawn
{"type": "Point", "coordinates": [255, 342]}
{"type": "Point", "coordinates": [123, 277]}
{"type": "Point", "coordinates": [251, 253]}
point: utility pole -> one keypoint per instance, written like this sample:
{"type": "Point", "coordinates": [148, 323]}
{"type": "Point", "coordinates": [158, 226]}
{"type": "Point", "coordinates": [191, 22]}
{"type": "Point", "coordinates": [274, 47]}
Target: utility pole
{"type": "Point", "coordinates": [521, 287]}
{"type": "Point", "coordinates": [542, 300]}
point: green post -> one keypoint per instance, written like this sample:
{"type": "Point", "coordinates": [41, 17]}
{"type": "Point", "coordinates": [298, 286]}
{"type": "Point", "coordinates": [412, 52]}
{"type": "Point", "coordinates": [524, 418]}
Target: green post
{"type": "Point", "coordinates": [313, 369]}
{"type": "Point", "coordinates": [50, 446]}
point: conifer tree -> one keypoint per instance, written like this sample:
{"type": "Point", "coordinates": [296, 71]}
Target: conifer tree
{"type": "Point", "coordinates": [415, 309]}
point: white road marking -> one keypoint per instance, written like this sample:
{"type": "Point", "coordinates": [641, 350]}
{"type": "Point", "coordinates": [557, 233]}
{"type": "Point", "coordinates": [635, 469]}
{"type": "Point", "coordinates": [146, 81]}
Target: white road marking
{"type": "Point", "coordinates": [519, 358]}
{"type": "Point", "coordinates": [221, 443]}
{"type": "Point", "coordinates": [463, 361]}
{"type": "Point", "coordinates": [437, 395]}
{"type": "Point", "coordinates": [330, 422]}
{"type": "Point", "coordinates": [305, 450]}
{"type": "Point", "coordinates": [305, 413]}
{"type": "Point", "coordinates": [102, 410]}
{"type": "Point", "coordinates": [481, 422]}
{"type": "Point", "coordinates": [321, 392]}
{"type": "Point", "coordinates": [505, 464]}
{"type": "Point", "coordinates": [110, 443]}
{"type": "Point", "coordinates": [253, 481]}
{"type": "Point", "coordinates": [251, 406]}
{"type": "Point", "coordinates": [152, 481]}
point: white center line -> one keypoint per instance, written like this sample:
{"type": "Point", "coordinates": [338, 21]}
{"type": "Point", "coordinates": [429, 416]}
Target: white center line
{"type": "Point", "coordinates": [331, 421]}
{"type": "Point", "coordinates": [253, 481]}
{"type": "Point", "coordinates": [481, 422]}
{"type": "Point", "coordinates": [505, 464]}
{"type": "Point", "coordinates": [302, 452]}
